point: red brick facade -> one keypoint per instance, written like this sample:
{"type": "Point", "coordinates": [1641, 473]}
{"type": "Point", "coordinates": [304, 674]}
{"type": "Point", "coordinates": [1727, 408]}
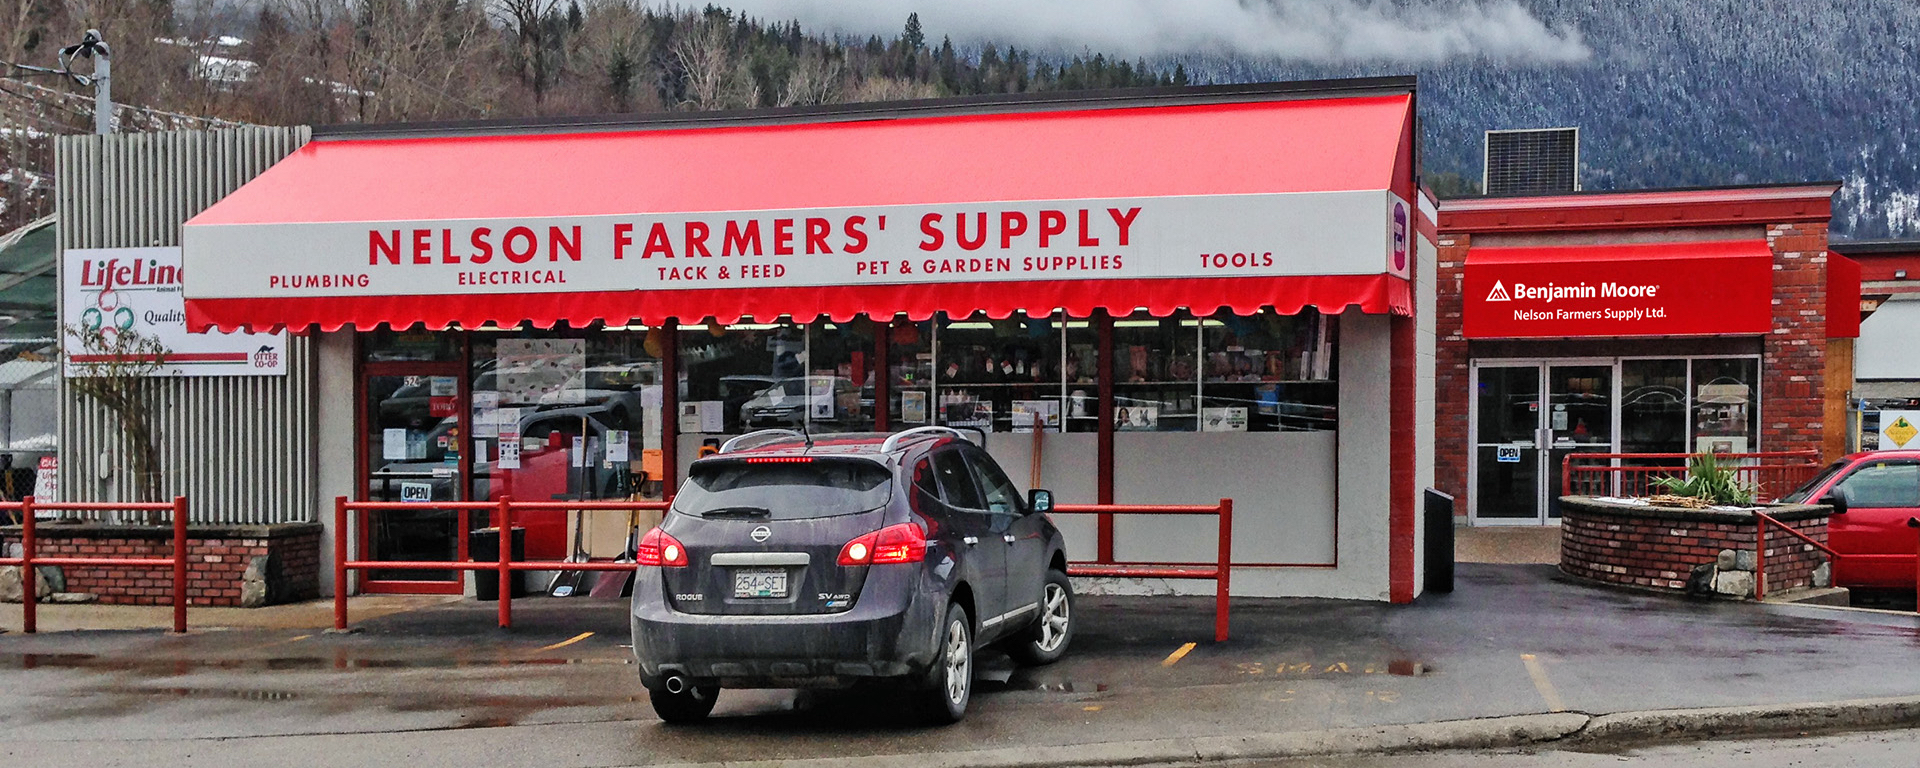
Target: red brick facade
{"type": "Point", "coordinates": [217, 562]}
{"type": "Point", "coordinates": [1662, 552]}
{"type": "Point", "coordinates": [1793, 355]}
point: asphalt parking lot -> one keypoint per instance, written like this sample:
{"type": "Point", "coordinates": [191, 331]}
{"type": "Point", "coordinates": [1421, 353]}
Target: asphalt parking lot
{"type": "Point", "coordinates": [441, 685]}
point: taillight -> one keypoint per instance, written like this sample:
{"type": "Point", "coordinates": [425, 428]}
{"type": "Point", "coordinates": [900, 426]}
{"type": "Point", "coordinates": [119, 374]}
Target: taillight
{"type": "Point", "coordinates": [903, 543]}
{"type": "Point", "coordinates": [659, 548]}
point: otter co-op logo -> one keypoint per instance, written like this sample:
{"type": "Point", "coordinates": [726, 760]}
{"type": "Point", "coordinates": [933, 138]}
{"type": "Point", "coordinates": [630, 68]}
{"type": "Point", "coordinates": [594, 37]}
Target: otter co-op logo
{"type": "Point", "coordinates": [266, 357]}
{"type": "Point", "coordinates": [1499, 292]}
{"type": "Point", "coordinates": [1399, 236]}
{"type": "Point", "coordinates": [761, 533]}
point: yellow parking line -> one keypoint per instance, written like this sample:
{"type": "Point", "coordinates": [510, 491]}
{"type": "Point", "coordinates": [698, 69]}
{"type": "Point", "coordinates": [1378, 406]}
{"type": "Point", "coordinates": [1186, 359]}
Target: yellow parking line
{"type": "Point", "coordinates": [294, 639]}
{"type": "Point", "coordinates": [567, 642]}
{"type": "Point", "coordinates": [1541, 683]}
{"type": "Point", "coordinates": [1177, 655]}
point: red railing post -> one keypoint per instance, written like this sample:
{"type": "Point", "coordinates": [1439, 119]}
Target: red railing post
{"type": "Point", "coordinates": [1759, 557]}
{"type": "Point", "coordinates": [340, 562]}
{"type": "Point", "coordinates": [504, 521]}
{"type": "Point", "coordinates": [1914, 523]}
{"type": "Point", "coordinates": [180, 565]}
{"type": "Point", "coordinates": [29, 602]}
{"type": "Point", "coordinates": [1223, 584]}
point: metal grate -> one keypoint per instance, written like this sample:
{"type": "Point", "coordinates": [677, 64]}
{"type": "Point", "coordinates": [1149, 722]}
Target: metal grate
{"type": "Point", "coordinates": [1532, 162]}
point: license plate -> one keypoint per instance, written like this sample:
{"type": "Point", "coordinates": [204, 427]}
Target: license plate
{"type": "Point", "coordinates": [760, 583]}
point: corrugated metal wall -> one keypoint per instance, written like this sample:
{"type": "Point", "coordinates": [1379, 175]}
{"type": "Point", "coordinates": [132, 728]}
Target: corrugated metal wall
{"type": "Point", "coordinates": [240, 447]}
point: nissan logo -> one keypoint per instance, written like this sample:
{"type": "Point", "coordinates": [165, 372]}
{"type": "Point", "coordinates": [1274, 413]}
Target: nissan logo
{"type": "Point", "coordinates": [760, 534]}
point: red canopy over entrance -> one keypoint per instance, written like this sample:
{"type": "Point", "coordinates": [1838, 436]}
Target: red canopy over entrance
{"type": "Point", "coordinates": [1649, 289]}
{"type": "Point", "coordinates": [1239, 204]}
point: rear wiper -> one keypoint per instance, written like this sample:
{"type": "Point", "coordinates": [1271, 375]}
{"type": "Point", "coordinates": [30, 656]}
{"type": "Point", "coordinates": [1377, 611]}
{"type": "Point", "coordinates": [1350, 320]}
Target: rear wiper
{"type": "Point", "coordinates": [737, 512]}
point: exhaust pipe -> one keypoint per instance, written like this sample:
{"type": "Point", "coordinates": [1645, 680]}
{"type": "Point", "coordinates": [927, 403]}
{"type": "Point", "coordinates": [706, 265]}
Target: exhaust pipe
{"type": "Point", "coordinates": [676, 685]}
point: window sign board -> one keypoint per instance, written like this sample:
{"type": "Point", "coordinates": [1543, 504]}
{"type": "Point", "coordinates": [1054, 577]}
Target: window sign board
{"type": "Point", "coordinates": [139, 290]}
{"type": "Point", "coordinates": [1899, 430]}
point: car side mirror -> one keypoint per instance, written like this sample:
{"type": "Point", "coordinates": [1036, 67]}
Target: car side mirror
{"type": "Point", "coordinates": [1837, 498]}
{"type": "Point", "coordinates": [1040, 500]}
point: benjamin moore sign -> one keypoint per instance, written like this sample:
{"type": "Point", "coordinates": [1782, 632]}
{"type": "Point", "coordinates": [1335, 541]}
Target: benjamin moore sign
{"type": "Point", "coordinates": [139, 290]}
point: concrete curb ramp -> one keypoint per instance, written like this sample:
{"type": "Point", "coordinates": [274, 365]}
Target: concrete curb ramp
{"type": "Point", "coordinates": [1572, 729]}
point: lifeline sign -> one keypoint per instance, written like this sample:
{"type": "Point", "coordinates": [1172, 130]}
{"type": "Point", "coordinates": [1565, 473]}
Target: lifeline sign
{"type": "Point", "coordinates": [1659, 289]}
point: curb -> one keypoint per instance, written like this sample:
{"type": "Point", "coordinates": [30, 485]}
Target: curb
{"type": "Point", "coordinates": [1569, 728]}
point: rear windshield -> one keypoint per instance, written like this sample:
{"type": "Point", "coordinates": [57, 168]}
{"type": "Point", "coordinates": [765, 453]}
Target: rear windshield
{"type": "Point", "coordinates": [784, 491]}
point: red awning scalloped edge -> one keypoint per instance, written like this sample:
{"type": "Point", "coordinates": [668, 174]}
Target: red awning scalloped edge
{"type": "Point", "coordinates": [1373, 294]}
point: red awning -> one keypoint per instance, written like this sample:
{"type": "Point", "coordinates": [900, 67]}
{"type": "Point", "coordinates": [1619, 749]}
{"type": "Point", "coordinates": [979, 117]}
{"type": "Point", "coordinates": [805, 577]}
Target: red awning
{"type": "Point", "coordinates": [1645, 289]}
{"type": "Point", "coordinates": [1238, 205]}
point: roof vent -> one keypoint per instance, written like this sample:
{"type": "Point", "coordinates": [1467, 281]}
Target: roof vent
{"type": "Point", "coordinates": [1532, 161]}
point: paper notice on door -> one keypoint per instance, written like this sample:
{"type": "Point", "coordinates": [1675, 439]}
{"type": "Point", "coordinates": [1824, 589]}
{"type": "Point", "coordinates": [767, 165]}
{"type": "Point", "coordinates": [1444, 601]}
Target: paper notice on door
{"type": "Point", "coordinates": [393, 444]}
{"type": "Point", "coordinates": [578, 456]}
{"type": "Point", "coordinates": [509, 453]}
{"type": "Point", "coordinates": [617, 449]}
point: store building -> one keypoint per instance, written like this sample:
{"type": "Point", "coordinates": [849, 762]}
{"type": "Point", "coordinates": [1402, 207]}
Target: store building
{"type": "Point", "coordinates": [1660, 321]}
{"type": "Point", "coordinates": [1199, 293]}
{"type": "Point", "coordinates": [1886, 370]}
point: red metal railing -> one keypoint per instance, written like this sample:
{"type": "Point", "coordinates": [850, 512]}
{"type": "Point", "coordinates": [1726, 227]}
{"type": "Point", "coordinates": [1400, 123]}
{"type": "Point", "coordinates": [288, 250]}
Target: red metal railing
{"type": "Point", "coordinates": [503, 511]}
{"type": "Point", "coordinates": [30, 559]}
{"type": "Point", "coordinates": [1771, 474]}
{"type": "Point", "coordinates": [1221, 572]}
{"type": "Point", "coordinates": [1761, 521]}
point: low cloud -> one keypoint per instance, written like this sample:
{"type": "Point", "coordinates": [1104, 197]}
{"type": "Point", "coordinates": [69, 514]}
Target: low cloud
{"type": "Point", "coordinates": [1318, 31]}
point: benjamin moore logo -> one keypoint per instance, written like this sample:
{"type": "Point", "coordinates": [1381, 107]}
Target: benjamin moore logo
{"type": "Point", "coordinates": [1499, 292]}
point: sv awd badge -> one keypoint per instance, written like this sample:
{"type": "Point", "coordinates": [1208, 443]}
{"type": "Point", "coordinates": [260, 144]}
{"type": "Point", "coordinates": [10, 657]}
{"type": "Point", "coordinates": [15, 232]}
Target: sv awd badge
{"type": "Point", "coordinates": [760, 534]}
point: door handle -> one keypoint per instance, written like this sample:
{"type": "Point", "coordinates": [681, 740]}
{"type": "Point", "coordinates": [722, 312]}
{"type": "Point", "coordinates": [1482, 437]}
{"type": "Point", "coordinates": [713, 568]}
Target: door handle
{"type": "Point", "coordinates": [970, 540]}
{"type": "Point", "coordinates": [1009, 538]}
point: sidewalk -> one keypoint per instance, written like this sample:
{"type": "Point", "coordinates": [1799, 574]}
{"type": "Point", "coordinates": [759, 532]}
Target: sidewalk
{"type": "Point", "coordinates": [313, 614]}
{"type": "Point", "coordinates": [1515, 655]}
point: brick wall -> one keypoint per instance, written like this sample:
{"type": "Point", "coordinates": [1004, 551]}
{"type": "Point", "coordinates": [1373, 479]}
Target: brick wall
{"type": "Point", "coordinates": [1450, 374]}
{"type": "Point", "coordinates": [285, 562]}
{"type": "Point", "coordinates": [1662, 552]}
{"type": "Point", "coordinates": [1794, 358]}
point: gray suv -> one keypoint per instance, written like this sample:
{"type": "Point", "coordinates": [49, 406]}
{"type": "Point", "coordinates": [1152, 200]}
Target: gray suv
{"type": "Point", "coordinates": [796, 562]}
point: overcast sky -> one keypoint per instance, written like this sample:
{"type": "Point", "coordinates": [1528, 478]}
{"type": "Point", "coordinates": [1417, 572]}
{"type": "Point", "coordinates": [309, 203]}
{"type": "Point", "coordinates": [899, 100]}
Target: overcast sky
{"type": "Point", "coordinates": [1322, 31]}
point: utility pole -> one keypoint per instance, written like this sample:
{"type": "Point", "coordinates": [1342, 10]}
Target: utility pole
{"type": "Point", "coordinates": [92, 47]}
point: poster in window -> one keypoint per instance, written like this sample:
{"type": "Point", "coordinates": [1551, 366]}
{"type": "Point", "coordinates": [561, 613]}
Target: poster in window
{"type": "Point", "coordinates": [1025, 411]}
{"type": "Point", "coordinates": [913, 407]}
{"type": "Point", "coordinates": [1137, 418]}
{"type": "Point", "coordinates": [1224, 419]}
{"type": "Point", "coordinates": [820, 398]}
{"type": "Point", "coordinates": [974, 414]}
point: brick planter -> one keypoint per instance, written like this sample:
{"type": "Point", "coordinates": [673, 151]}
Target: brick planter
{"type": "Point", "coordinates": [228, 565]}
{"type": "Point", "coordinates": [1697, 551]}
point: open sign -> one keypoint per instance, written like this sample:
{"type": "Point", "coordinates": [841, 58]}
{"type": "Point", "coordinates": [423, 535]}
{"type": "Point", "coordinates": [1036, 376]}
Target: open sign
{"type": "Point", "coordinates": [1506, 454]}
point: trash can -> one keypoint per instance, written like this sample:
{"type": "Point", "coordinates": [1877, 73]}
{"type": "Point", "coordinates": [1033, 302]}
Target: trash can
{"type": "Point", "coordinates": [484, 546]}
{"type": "Point", "coordinates": [1439, 557]}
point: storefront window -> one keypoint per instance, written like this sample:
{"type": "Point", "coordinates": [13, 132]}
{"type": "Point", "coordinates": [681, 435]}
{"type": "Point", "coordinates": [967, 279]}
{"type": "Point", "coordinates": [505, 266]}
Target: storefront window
{"type": "Point", "coordinates": [840, 364]}
{"type": "Point", "coordinates": [567, 415]}
{"type": "Point", "coordinates": [1156, 381]}
{"type": "Point", "coordinates": [415, 344]}
{"type": "Point", "coordinates": [741, 377]}
{"type": "Point", "coordinates": [1653, 406]}
{"type": "Point", "coordinates": [910, 368]}
{"type": "Point", "coordinates": [1269, 372]}
{"type": "Point", "coordinates": [987, 371]}
{"type": "Point", "coordinates": [1725, 404]}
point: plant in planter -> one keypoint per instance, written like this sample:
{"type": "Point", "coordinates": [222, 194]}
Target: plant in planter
{"type": "Point", "coordinates": [1707, 483]}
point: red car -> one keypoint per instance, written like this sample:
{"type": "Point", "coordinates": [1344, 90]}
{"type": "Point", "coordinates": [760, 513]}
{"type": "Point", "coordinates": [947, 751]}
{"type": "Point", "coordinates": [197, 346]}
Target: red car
{"type": "Point", "coordinates": [1873, 496]}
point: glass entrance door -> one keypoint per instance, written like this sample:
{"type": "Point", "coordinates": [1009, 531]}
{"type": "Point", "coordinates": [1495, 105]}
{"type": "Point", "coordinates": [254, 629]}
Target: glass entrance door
{"type": "Point", "coordinates": [1507, 452]}
{"type": "Point", "coordinates": [1528, 418]}
{"type": "Point", "coordinates": [413, 453]}
{"type": "Point", "coordinates": [1579, 415]}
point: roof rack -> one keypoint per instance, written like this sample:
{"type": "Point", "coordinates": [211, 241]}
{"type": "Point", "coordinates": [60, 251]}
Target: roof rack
{"type": "Point", "coordinates": [764, 436]}
{"type": "Point", "coordinates": [893, 441]}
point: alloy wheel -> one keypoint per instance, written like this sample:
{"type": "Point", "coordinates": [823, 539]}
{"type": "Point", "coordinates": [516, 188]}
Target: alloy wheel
{"type": "Point", "coordinates": [1054, 618]}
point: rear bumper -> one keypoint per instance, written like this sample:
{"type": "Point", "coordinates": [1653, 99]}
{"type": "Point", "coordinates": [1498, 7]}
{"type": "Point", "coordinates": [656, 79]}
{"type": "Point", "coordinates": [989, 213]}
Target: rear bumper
{"type": "Point", "coordinates": [889, 633]}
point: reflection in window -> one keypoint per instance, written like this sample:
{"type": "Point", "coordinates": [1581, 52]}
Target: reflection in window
{"type": "Point", "coordinates": [1268, 372]}
{"type": "Point", "coordinates": [1653, 406]}
{"type": "Point", "coordinates": [1884, 485]}
{"type": "Point", "coordinates": [1156, 366]}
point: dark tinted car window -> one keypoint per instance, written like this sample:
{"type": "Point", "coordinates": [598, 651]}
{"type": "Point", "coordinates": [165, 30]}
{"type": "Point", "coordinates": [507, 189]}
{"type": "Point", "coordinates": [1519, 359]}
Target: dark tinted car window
{"type": "Point", "coordinates": [955, 482]}
{"type": "Point", "coordinates": [784, 491]}
{"type": "Point", "coordinates": [1884, 484]}
{"type": "Point", "coordinates": [1001, 496]}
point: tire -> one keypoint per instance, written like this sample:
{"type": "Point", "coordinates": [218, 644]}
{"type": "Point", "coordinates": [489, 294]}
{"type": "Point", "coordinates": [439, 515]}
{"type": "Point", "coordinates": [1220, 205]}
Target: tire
{"type": "Point", "coordinates": [689, 706]}
{"type": "Point", "coordinates": [1046, 640]}
{"type": "Point", "coordinates": [950, 682]}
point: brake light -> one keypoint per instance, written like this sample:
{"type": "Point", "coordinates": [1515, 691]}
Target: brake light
{"type": "Point", "coordinates": [779, 460]}
{"type": "Point", "coordinates": [903, 543]}
{"type": "Point", "coordinates": [659, 548]}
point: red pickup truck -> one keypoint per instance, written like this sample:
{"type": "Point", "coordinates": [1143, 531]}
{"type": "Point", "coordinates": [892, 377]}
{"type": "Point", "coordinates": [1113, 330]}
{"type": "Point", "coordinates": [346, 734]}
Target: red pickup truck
{"type": "Point", "coordinates": [1873, 496]}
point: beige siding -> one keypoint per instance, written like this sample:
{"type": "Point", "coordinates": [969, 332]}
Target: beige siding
{"type": "Point", "coordinates": [241, 448]}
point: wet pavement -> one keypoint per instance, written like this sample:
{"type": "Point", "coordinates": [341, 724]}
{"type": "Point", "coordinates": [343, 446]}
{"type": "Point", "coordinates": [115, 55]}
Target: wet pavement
{"type": "Point", "coordinates": [442, 686]}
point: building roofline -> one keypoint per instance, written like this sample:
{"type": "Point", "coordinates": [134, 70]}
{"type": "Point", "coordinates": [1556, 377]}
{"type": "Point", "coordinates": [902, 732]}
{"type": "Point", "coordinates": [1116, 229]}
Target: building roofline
{"type": "Point", "coordinates": [1891, 245]}
{"type": "Point", "coordinates": [1115, 98]}
{"type": "Point", "coordinates": [1801, 202]}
